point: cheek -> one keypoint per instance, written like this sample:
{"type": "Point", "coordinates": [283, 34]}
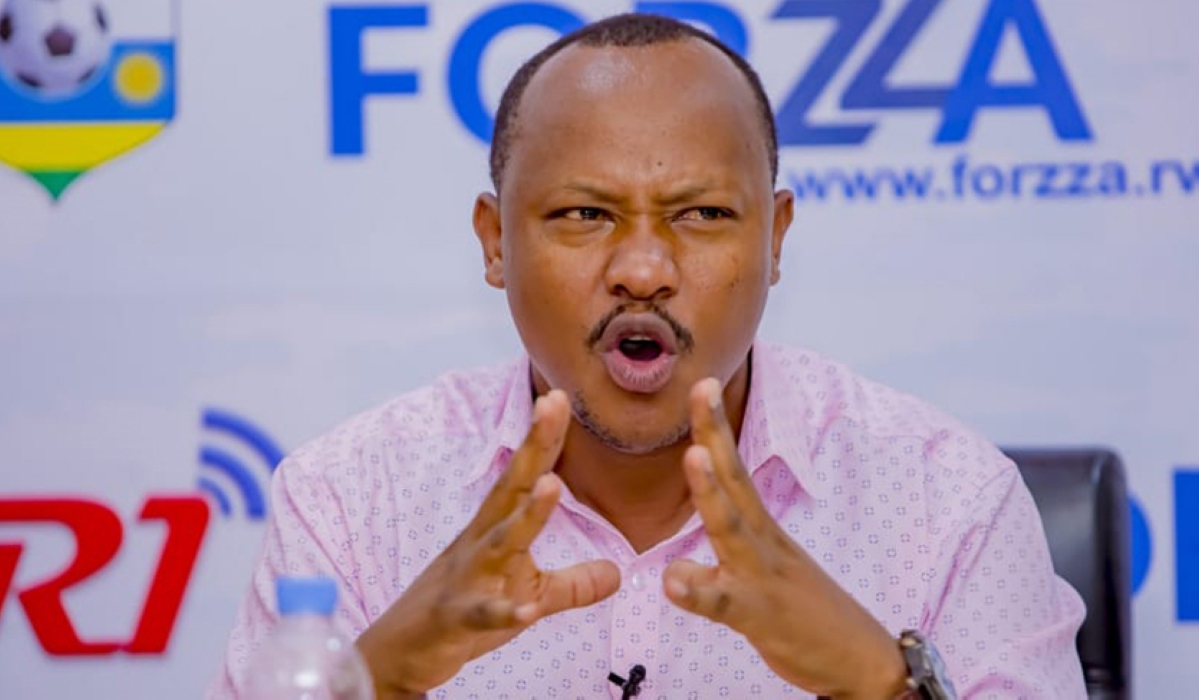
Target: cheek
{"type": "Point", "coordinates": [533, 296]}
{"type": "Point", "coordinates": [546, 294]}
{"type": "Point", "coordinates": [730, 294]}
{"type": "Point", "coordinates": [740, 274]}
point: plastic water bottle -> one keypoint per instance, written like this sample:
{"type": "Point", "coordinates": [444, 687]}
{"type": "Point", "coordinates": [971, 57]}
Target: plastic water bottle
{"type": "Point", "coordinates": [306, 658]}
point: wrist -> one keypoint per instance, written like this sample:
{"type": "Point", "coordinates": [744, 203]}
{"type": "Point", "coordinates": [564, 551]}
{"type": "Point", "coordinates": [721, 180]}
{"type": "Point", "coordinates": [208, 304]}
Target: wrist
{"type": "Point", "coordinates": [922, 673]}
{"type": "Point", "coordinates": [385, 685]}
{"type": "Point", "coordinates": [383, 694]}
{"type": "Point", "coordinates": [883, 678]}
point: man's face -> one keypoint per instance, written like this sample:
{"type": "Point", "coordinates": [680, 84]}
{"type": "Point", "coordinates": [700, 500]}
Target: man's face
{"type": "Point", "coordinates": [636, 232]}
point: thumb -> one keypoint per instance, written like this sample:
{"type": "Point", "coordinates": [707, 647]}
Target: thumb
{"type": "Point", "coordinates": [694, 587]}
{"type": "Point", "coordinates": [575, 586]}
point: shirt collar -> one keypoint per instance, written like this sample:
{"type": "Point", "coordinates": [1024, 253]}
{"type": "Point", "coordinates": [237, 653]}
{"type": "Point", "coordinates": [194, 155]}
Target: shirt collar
{"type": "Point", "coordinates": [777, 422]}
{"type": "Point", "coordinates": [511, 423]}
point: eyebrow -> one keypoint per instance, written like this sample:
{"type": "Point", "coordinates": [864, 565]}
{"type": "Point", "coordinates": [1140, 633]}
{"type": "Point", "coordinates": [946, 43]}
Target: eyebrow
{"type": "Point", "coordinates": [594, 192]}
{"type": "Point", "coordinates": [683, 194]}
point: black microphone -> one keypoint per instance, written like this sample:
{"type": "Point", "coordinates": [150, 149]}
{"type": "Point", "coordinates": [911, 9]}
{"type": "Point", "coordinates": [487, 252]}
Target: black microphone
{"type": "Point", "coordinates": [632, 686]}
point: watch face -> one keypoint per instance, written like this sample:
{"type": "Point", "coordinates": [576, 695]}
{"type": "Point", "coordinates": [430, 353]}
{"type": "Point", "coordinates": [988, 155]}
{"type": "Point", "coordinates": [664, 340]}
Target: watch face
{"type": "Point", "coordinates": [926, 670]}
{"type": "Point", "coordinates": [935, 663]}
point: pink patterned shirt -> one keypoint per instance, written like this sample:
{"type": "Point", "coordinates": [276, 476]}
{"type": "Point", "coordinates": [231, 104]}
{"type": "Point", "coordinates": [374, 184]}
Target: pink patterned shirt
{"type": "Point", "coordinates": [923, 521]}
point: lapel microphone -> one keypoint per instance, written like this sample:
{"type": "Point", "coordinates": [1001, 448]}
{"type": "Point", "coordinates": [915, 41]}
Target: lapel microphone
{"type": "Point", "coordinates": [632, 686]}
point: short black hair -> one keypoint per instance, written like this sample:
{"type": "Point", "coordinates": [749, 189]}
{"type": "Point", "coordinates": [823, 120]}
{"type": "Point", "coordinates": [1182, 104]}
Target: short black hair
{"type": "Point", "coordinates": [624, 30]}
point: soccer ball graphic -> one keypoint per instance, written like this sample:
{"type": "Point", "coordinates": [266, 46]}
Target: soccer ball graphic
{"type": "Point", "coordinates": [53, 47]}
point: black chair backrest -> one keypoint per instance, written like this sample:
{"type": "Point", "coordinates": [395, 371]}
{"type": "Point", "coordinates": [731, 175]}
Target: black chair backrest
{"type": "Point", "coordinates": [1082, 497]}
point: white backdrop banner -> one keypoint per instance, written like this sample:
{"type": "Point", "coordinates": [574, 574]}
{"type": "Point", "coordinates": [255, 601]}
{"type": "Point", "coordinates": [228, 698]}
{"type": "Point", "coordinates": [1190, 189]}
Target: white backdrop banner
{"type": "Point", "coordinates": [226, 226]}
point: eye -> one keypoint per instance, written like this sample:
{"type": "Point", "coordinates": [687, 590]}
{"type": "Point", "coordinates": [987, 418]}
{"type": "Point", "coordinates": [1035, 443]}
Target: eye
{"type": "Point", "coordinates": [584, 214]}
{"type": "Point", "coordinates": [705, 214]}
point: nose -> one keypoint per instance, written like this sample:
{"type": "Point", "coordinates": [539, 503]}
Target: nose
{"type": "Point", "coordinates": [642, 265]}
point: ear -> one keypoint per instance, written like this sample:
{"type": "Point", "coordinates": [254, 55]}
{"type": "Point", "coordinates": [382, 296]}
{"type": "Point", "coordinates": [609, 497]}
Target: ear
{"type": "Point", "coordinates": [487, 228]}
{"type": "Point", "coordinates": [784, 211]}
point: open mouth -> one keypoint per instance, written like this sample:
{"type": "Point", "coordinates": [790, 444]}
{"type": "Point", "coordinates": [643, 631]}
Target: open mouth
{"type": "Point", "coordinates": [640, 348]}
{"type": "Point", "coordinates": [639, 352]}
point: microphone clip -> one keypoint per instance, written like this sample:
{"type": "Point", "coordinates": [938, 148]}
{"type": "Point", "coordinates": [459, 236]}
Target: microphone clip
{"type": "Point", "coordinates": [632, 686]}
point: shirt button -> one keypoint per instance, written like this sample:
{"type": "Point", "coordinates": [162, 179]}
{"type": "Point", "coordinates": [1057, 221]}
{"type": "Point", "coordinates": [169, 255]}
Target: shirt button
{"type": "Point", "coordinates": [638, 581]}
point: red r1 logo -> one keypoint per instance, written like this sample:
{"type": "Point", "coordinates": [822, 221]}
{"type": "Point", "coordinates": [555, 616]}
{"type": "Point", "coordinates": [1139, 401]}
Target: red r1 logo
{"type": "Point", "coordinates": [98, 534]}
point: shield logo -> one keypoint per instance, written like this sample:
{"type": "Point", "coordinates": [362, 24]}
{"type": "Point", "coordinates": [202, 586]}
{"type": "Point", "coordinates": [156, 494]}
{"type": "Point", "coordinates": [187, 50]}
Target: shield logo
{"type": "Point", "coordinates": [82, 82]}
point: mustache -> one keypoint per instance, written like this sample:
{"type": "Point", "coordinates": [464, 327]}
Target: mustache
{"type": "Point", "coordinates": [684, 336]}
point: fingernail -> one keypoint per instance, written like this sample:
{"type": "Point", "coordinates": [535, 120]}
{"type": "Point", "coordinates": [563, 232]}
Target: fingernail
{"type": "Point", "coordinates": [676, 588]}
{"type": "Point", "coordinates": [714, 395]}
{"type": "Point", "coordinates": [546, 484]}
{"type": "Point", "coordinates": [526, 613]}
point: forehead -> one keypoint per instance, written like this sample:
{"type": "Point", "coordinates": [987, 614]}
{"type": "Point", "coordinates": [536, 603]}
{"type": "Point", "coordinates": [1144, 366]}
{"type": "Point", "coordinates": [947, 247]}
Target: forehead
{"type": "Point", "coordinates": [639, 101]}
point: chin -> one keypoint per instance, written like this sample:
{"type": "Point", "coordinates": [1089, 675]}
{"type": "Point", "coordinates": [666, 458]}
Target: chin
{"type": "Point", "coordinates": [635, 439]}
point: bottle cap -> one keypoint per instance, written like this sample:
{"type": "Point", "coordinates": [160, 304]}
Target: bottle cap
{"type": "Point", "coordinates": [306, 594]}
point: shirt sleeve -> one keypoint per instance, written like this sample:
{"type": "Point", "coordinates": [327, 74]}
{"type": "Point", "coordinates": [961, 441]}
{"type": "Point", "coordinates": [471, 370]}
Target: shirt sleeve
{"type": "Point", "coordinates": [306, 534]}
{"type": "Point", "coordinates": [1004, 622]}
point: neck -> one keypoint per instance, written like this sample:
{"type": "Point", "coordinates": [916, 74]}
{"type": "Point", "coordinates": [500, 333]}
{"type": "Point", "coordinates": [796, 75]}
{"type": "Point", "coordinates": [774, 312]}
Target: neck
{"type": "Point", "coordinates": [645, 497]}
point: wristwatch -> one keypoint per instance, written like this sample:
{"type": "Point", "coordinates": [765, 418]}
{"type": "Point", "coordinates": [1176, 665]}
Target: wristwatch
{"type": "Point", "coordinates": [927, 679]}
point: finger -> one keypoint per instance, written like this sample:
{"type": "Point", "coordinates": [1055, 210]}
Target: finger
{"type": "Point", "coordinates": [710, 428]}
{"type": "Point", "coordinates": [516, 533]}
{"type": "Point", "coordinates": [536, 456]}
{"type": "Point", "coordinates": [576, 586]}
{"type": "Point", "coordinates": [696, 588]}
{"type": "Point", "coordinates": [723, 520]}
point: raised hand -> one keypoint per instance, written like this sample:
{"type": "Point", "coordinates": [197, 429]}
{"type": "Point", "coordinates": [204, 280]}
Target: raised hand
{"type": "Point", "coordinates": [805, 627]}
{"type": "Point", "coordinates": [485, 588]}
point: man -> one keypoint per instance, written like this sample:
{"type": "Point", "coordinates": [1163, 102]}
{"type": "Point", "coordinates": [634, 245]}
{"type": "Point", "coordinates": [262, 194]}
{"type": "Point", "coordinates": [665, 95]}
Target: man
{"type": "Point", "coordinates": [651, 486]}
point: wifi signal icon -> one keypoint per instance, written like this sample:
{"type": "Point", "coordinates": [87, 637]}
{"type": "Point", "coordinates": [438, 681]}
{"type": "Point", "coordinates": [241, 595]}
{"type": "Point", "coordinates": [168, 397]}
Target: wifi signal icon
{"type": "Point", "coordinates": [219, 462]}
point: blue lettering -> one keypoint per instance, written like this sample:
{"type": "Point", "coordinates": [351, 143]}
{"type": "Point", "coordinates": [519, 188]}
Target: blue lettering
{"type": "Point", "coordinates": [1050, 88]}
{"type": "Point", "coordinates": [724, 22]}
{"type": "Point", "coordinates": [1142, 544]}
{"type": "Point", "coordinates": [349, 85]}
{"type": "Point", "coordinates": [1186, 543]}
{"type": "Point", "coordinates": [852, 18]}
{"type": "Point", "coordinates": [868, 89]}
{"type": "Point", "coordinates": [466, 59]}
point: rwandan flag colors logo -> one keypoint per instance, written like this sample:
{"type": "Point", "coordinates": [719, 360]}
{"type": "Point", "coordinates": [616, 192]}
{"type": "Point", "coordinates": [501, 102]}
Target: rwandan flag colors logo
{"type": "Point", "coordinates": [81, 82]}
